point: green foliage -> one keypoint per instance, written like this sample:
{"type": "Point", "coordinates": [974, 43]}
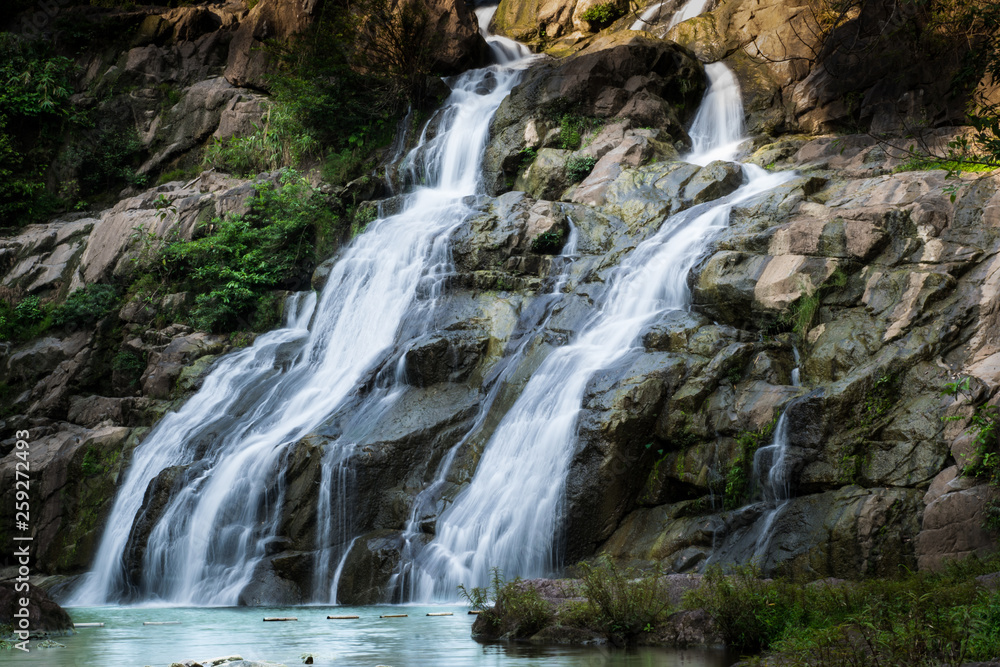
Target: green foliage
{"type": "Point", "coordinates": [751, 612]}
{"type": "Point", "coordinates": [338, 90]}
{"type": "Point", "coordinates": [22, 318]}
{"type": "Point", "coordinates": [570, 131]}
{"type": "Point", "coordinates": [951, 166]}
{"type": "Point", "coordinates": [579, 166]}
{"type": "Point", "coordinates": [549, 243]}
{"type": "Point", "coordinates": [878, 400]}
{"type": "Point", "coordinates": [528, 155]}
{"type": "Point", "coordinates": [984, 463]}
{"type": "Point", "coordinates": [264, 149]}
{"type": "Point", "coordinates": [916, 619]}
{"type": "Point", "coordinates": [513, 609]}
{"type": "Point", "coordinates": [243, 257]}
{"type": "Point", "coordinates": [94, 463]}
{"type": "Point", "coordinates": [625, 601]}
{"type": "Point", "coordinates": [802, 311]}
{"type": "Point", "coordinates": [86, 306]}
{"type": "Point", "coordinates": [738, 483]}
{"type": "Point", "coordinates": [35, 87]}
{"type": "Point", "coordinates": [178, 174]}
{"type": "Point", "coordinates": [603, 15]}
{"type": "Point", "coordinates": [91, 464]}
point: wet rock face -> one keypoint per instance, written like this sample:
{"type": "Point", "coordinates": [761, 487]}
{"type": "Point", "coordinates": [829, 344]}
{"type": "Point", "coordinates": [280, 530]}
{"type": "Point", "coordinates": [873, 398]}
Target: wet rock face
{"type": "Point", "coordinates": [369, 566]}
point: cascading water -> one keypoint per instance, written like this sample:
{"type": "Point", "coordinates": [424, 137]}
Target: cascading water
{"type": "Point", "coordinates": [227, 444]}
{"type": "Point", "coordinates": [508, 516]}
{"type": "Point", "coordinates": [718, 130]}
{"type": "Point", "coordinates": [403, 585]}
{"type": "Point", "coordinates": [772, 472]}
{"type": "Point", "coordinates": [651, 15]}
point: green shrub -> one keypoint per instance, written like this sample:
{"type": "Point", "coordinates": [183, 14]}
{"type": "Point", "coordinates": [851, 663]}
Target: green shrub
{"type": "Point", "coordinates": [91, 464]}
{"type": "Point", "coordinates": [603, 15]}
{"type": "Point", "coordinates": [22, 318]}
{"type": "Point", "coordinates": [915, 619]}
{"type": "Point", "coordinates": [626, 601]}
{"type": "Point", "coordinates": [244, 257]}
{"type": "Point", "coordinates": [513, 609]}
{"type": "Point", "coordinates": [86, 306]}
{"type": "Point", "coordinates": [549, 243]}
{"type": "Point", "coordinates": [750, 612]}
{"type": "Point", "coordinates": [34, 108]}
{"type": "Point", "coordinates": [262, 150]}
{"type": "Point", "coordinates": [578, 167]}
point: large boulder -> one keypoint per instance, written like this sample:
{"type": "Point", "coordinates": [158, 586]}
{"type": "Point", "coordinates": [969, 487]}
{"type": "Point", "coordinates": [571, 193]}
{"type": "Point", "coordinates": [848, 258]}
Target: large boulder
{"type": "Point", "coordinates": [45, 616]}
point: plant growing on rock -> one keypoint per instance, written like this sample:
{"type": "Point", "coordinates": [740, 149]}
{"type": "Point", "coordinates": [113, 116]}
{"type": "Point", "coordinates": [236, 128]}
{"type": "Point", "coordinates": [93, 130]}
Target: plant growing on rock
{"type": "Point", "coordinates": [34, 108]}
{"type": "Point", "coordinates": [751, 612]}
{"type": "Point", "coordinates": [511, 609]}
{"type": "Point", "coordinates": [984, 464]}
{"type": "Point", "coordinates": [625, 601]}
{"type": "Point", "coordinates": [22, 317]}
{"type": "Point", "coordinates": [602, 15]}
{"type": "Point", "coordinates": [86, 306]}
{"type": "Point", "coordinates": [244, 257]}
{"type": "Point", "coordinates": [549, 243]}
{"type": "Point", "coordinates": [578, 167]}
{"type": "Point", "coordinates": [739, 485]}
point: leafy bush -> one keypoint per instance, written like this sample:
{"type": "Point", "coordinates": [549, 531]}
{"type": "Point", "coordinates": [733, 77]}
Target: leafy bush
{"type": "Point", "coordinates": [127, 368]}
{"type": "Point", "coordinates": [549, 243]}
{"type": "Point", "coordinates": [110, 160]}
{"type": "Point", "coordinates": [512, 609]}
{"type": "Point", "coordinates": [338, 90]}
{"type": "Point", "coordinates": [603, 15]}
{"type": "Point", "coordinates": [22, 318]}
{"type": "Point", "coordinates": [34, 107]}
{"type": "Point", "coordinates": [751, 613]}
{"type": "Point", "coordinates": [572, 129]}
{"type": "Point", "coordinates": [916, 619]}
{"type": "Point", "coordinates": [244, 257]}
{"type": "Point", "coordinates": [86, 306]}
{"type": "Point", "coordinates": [626, 601]}
{"type": "Point", "coordinates": [268, 147]}
{"type": "Point", "coordinates": [579, 166]}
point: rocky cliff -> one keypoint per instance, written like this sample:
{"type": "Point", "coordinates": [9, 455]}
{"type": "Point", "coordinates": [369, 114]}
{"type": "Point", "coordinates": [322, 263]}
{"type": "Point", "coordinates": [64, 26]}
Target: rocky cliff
{"type": "Point", "coordinates": [846, 299]}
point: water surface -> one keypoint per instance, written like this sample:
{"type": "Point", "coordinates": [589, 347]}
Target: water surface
{"type": "Point", "coordinates": [415, 641]}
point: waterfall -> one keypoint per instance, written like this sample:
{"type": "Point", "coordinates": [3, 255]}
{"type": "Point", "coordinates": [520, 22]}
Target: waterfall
{"type": "Point", "coordinates": [228, 444]}
{"type": "Point", "coordinates": [403, 584]}
{"type": "Point", "coordinates": [651, 15]}
{"type": "Point", "coordinates": [718, 129]}
{"type": "Point", "coordinates": [508, 516]}
{"type": "Point", "coordinates": [771, 471]}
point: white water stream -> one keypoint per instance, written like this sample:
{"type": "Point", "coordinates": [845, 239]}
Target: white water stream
{"type": "Point", "coordinates": [652, 15]}
{"type": "Point", "coordinates": [509, 515]}
{"type": "Point", "coordinates": [230, 443]}
{"type": "Point", "coordinates": [231, 440]}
